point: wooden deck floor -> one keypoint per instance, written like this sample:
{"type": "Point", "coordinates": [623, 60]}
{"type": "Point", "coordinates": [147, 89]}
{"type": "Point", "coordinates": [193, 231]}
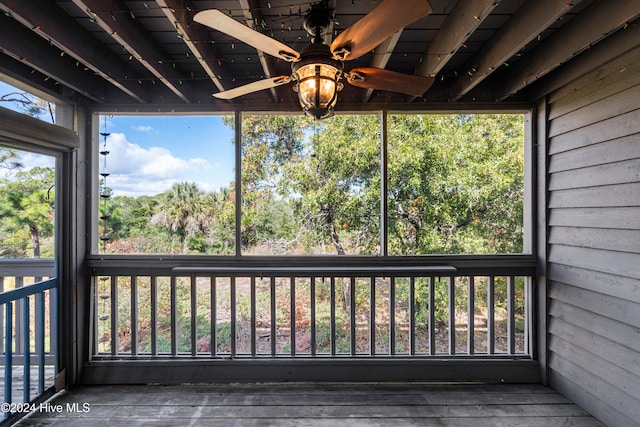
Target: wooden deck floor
{"type": "Point", "coordinates": [305, 404]}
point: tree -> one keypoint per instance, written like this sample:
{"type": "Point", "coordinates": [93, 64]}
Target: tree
{"type": "Point", "coordinates": [27, 203]}
{"type": "Point", "coordinates": [268, 143]}
{"type": "Point", "coordinates": [9, 160]}
{"type": "Point", "coordinates": [456, 183]}
{"type": "Point", "coordinates": [338, 183]}
{"type": "Point", "coordinates": [181, 212]}
{"type": "Point", "coordinates": [29, 104]}
{"type": "Point", "coordinates": [219, 225]}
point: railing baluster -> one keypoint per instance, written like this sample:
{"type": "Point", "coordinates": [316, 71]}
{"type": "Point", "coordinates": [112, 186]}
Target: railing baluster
{"type": "Point", "coordinates": [40, 339]}
{"type": "Point", "coordinates": [194, 315]}
{"type": "Point", "coordinates": [471, 324]}
{"type": "Point", "coordinates": [412, 315]}
{"type": "Point", "coordinates": [333, 314]}
{"type": "Point", "coordinates": [432, 316]}
{"type": "Point", "coordinates": [415, 283]}
{"type": "Point", "coordinates": [18, 307]}
{"type": "Point", "coordinates": [372, 315]}
{"type": "Point", "coordinates": [511, 326]}
{"type": "Point", "coordinates": [114, 315]}
{"type": "Point", "coordinates": [253, 316]}
{"type": "Point", "coordinates": [452, 315]}
{"type": "Point", "coordinates": [272, 301]}
{"type": "Point", "coordinates": [94, 318]}
{"type": "Point", "coordinates": [53, 325]}
{"type": "Point", "coordinates": [174, 315]}
{"type": "Point", "coordinates": [26, 323]}
{"type": "Point", "coordinates": [352, 315]}
{"type": "Point", "coordinates": [292, 314]}
{"type": "Point", "coordinates": [213, 340]}
{"type": "Point", "coordinates": [154, 314]}
{"type": "Point", "coordinates": [312, 297]}
{"type": "Point", "coordinates": [8, 354]}
{"type": "Point", "coordinates": [233, 302]}
{"type": "Point", "coordinates": [2, 313]}
{"type": "Point", "coordinates": [528, 313]}
{"type": "Point", "coordinates": [19, 339]}
{"type": "Point", "coordinates": [392, 315]}
{"type": "Point", "coordinates": [134, 315]}
{"type": "Point", "coordinates": [491, 315]}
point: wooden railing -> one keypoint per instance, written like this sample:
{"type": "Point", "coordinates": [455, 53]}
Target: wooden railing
{"type": "Point", "coordinates": [355, 307]}
{"type": "Point", "coordinates": [28, 321]}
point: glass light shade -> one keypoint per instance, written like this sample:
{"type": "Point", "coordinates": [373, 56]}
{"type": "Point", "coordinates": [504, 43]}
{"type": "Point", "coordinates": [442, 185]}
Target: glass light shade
{"type": "Point", "coordinates": [318, 88]}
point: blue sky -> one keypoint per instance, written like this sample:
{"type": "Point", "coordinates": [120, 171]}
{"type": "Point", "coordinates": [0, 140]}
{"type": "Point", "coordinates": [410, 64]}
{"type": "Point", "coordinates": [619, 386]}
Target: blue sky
{"type": "Point", "coordinates": [148, 154]}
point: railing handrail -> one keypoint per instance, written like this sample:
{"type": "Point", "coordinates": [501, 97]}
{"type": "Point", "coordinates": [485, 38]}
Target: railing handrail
{"type": "Point", "coordinates": [175, 265]}
{"type": "Point", "coordinates": [319, 271]}
{"type": "Point", "coordinates": [19, 293]}
{"type": "Point", "coordinates": [27, 267]}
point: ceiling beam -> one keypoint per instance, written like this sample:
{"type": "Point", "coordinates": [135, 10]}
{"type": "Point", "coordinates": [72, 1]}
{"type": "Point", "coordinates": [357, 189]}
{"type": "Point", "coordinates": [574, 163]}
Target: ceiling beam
{"type": "Point", "coordinates": [52, 24]}
{"type": "Point", "coordinates": [23, 45]}
{"type": "Point", "coordinates": [180, 15]}
{"type": "Point", "coordinates": [252, 15]}
{"type": "Point", "coordinates": [601, 54]}
{"type": "Point", "coordinates": [23, 77]}
{"type": "Point", "coordinates": [525, 25]}
{"type": "Point", "coordinates": [465, 17]}
{"type": "Point", "coordinates": [592, 25]}
{"type": "Point", "coordinates": [381, 56]}
{"type": "Point", "coordinates": [139, 43]}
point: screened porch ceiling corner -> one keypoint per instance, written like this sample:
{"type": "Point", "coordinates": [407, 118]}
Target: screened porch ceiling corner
{"type": "Point", "coordinates": [115, 52]}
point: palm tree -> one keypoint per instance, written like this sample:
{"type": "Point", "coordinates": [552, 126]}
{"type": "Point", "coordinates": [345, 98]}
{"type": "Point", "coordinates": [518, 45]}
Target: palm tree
{"type": "Point", "coordinates": [181, 212]}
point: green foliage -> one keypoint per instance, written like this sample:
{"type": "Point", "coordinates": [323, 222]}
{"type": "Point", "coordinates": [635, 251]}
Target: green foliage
{"type": "Point", "coordinates": [9, 160]}
{"type": "Point", "coordinates": [327, 174]}
{"type": "Point", "coordinates": [27, 212]}
{"type": "Point", "coordinates": [455, 185]}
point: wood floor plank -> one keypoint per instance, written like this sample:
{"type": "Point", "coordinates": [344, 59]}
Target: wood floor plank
{"type": "Point", "coordinates": [347, 411]}
{"type": "Point", "coordinates": [331, 398]}
{"type": "Point", "coordinates": [314, 405]}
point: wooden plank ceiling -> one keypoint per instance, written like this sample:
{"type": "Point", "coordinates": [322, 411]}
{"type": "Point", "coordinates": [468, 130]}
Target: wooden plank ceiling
{"type": "Point", "coordinates": [151, 52]}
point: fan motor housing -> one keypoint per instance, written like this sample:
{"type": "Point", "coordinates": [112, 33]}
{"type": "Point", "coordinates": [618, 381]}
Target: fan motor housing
{"type": "Point", "coordinates": [317, 21]}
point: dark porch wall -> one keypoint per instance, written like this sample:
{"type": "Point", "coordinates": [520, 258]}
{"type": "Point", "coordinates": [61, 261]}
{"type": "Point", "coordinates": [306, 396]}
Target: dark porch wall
{"type": "Point", "coordinates": [593, 225]}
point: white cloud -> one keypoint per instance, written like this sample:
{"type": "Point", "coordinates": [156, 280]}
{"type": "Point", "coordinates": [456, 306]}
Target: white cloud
{"type": "Point", "coordinates": [32, 160]}
{"type": "Point", "coordinates": [28, 161]}
{"type": "Point", "coordinates": [135, 170]}
{"type": "Point", "coordinates": [143, 128]}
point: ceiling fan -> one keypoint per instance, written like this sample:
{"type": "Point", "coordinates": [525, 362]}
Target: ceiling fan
{"type": "Point", "coordinates": [318, 69]}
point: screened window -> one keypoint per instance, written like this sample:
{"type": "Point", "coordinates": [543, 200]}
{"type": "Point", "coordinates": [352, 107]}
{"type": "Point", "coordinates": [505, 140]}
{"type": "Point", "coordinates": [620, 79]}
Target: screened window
{"type": "Point", "coordinates": [454, 185]}
{"type": "Point", "coordinates": [166, 185]}
{"type": "Point", "coordinates": [27, 204]}
{"type": "Point", "coordinates": [310, 187]}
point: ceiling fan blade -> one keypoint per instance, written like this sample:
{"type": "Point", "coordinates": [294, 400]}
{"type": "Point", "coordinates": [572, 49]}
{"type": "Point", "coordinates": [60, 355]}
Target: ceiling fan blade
{"type": "Point", "coordinates": [222, 22]}
{"type": "Point", "coordinates": [377, 26]}
{"type": "Point", "coordinates": [253, 87]}
{"type": "Point", "coordinates": [378, 78]}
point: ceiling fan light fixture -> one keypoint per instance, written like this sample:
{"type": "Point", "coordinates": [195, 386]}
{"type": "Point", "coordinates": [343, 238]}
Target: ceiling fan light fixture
{"type": "Point", "coordinates": [317, 77]}
{"type": "Point", "coordinates": [318, 70]}
{"type": "Point", "coordinates": [318, 86]}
